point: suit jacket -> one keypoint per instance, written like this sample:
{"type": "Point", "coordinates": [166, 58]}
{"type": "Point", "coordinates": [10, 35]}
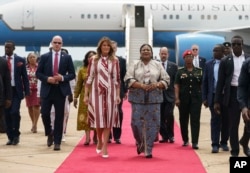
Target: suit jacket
{"type": "Point", "coordinates": [45, 70]}
{"type": "Point", "coordinates": [168, 94]}
{"type": "Point", "coordinates": [225, 76]}
{"type": "Point", "coordinates": [123, 70]}
{"type": "Point", "coordinates": [20, 77]}
{"type": "Point", "coordinates": [202, 63]}
{"type": "Point", "coordinates": [6, 82]}
{"type": "Point", "coordinates": [208, 82]}
{"type": "Point", "coordinates": [243, 92]}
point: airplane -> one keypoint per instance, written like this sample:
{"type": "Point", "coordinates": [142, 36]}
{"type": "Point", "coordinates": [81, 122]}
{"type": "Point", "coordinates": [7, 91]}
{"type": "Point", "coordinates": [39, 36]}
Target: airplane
{"type": "Point", "coordinates": [175, 24]}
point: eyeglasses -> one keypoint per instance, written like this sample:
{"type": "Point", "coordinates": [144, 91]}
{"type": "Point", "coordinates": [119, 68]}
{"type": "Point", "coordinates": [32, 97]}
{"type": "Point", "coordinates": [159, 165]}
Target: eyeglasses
{"type": "Point", "coordinates": [57, 42]}
{"type": "Point", "coordinates": [194, 49]}
{"type": "Point", "coordinates": [234, 44]}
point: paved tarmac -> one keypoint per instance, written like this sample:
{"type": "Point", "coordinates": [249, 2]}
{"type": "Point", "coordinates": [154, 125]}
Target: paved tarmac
{"type": "Point", "coordinates": [32, 155]}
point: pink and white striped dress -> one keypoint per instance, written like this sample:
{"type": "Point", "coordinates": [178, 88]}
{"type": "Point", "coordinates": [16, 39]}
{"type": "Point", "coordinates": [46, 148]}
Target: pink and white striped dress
{"type": "Point", "coordinates": [104, 78]}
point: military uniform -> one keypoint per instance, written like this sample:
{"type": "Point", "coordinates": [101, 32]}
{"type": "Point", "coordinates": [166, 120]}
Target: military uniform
{"type": "Point", "coordinates": [190, 101]}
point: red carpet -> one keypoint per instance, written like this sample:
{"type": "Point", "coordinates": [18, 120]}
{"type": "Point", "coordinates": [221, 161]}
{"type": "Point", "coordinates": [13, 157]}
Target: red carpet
{"type": "Point", "coordinates": [123, 158]}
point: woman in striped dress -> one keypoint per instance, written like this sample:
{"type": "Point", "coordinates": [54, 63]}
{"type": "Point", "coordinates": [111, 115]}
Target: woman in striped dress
{"type": "Point", "coordinates": [102, 93]}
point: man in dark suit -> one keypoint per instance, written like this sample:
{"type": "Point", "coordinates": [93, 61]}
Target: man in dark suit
{"type": "Point", "coordinates": [218, 123]}
{"type": "Point", "coordinates": [5, 92]}
{"type": "Point", "coordinates": [198, 61]}
{"type": "Point", "coordinates": [19, 86]}
{"type": "Point", "coordinates": [167, 106]}
{"type": "Point", "coordinates": [229, 71]}
{"type": "Point", "coordinates": [55, 70]}
{"type": "Point", "coordinates": [123, 95]}
{"type": "Point", "coordinates": [243, 94]}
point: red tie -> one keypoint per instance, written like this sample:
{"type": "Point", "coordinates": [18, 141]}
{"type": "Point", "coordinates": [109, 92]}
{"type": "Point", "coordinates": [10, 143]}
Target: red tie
{"type": "Point", "coordinates": [9, 64]}
{"type": "Point", "coordinates": [55, 64]}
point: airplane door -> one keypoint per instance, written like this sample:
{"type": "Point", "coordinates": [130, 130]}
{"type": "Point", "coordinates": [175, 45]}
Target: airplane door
{"type": "Point", "coordinates": [139, 16]}
{"type": "Point", "coordinates": [28, 15]}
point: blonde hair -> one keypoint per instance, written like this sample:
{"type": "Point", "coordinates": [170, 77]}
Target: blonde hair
{"type": "Point", "coordinates": [111, 54]}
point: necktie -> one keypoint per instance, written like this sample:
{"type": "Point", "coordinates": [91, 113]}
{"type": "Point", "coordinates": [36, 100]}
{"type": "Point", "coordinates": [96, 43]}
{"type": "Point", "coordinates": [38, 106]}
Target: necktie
{"type": "Point", "coordinates": [9, 64]}
{"type": "Point", "coordinates": [55, 64]}
{"type": "Point", "coordinates": [163, 65]}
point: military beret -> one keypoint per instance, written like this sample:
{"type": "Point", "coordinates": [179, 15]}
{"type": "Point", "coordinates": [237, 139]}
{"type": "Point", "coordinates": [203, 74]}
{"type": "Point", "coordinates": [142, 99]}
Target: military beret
{"type": "Point", "coordinates": [186, 52]}
{"type": "Point", "coordinates": [227, 44]}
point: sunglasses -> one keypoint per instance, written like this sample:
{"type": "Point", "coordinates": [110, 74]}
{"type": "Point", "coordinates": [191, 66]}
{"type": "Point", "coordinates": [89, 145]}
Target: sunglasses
{"type": "Point", "coordinates": [57, 42]}
{"type": "Point", "coordinates": [194, 49]}
{"type": "Point", "coordinates": [234, 44]}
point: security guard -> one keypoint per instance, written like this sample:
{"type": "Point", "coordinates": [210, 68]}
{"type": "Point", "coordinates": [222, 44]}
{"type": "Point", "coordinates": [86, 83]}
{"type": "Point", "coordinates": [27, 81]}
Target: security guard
{"type": "Point", "coordinates": [188, 98]}
{"type": "Point", "coordinates": [227, 49]}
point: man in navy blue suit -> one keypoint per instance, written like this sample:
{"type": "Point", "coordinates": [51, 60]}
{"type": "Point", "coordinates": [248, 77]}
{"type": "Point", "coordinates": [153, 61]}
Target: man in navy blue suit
{"type": "Point", "coordinates": [5, 93]}
{"type": "Point", "coordinates": [19, 86]}
{"type": "Point", "coordinates": [55, 70]}
{"type": "Point", "coordinates": [218, 123]}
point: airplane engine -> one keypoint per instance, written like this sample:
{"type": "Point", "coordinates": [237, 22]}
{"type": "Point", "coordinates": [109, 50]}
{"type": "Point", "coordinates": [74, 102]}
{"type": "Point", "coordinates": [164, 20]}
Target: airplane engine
{"type": "Point", "coordinates": [205, 42]}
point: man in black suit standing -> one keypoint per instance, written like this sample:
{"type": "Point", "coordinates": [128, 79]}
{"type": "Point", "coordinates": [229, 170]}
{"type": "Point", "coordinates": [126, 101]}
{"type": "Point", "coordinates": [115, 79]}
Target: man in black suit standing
{"type": "Point", "coordinates": [167, 106]}
{"type": "Point", "coordinates": [123, 95]}
{"type": "Point", "coordinates": [198, 61]}
{"type": "Point", "coordinates": [5, 93]}
{"type": "Point", "coordinates": [229, 71]}
{"type": "Point", "coordinates": [55, 70]}
{"type": "Point", "coordinates": [19, 86]}
{"type": "Point", "coordinates": [244, 101]}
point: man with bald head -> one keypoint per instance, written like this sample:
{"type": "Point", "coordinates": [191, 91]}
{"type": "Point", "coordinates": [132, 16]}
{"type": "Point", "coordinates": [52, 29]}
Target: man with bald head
{"type": "Point", "coordinates": [55, 70]}
{"type": "Point", "coordinates": [167, 106]}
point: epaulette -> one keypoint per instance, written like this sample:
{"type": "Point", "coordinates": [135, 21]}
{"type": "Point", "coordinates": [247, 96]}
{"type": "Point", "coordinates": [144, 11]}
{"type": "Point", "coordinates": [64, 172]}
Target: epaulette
{"type": "Point", "coordinates": [179, 68]}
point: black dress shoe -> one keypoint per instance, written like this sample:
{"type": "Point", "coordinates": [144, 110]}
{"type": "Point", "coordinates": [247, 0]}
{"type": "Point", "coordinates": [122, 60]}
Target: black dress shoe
{"type": "Point", "coordinates": [163, 141]}
{"type": "Point", "coordinates": [245, 147]}
{"type": "Point", "coordinates": [149, 156]}
{"type": "Point", "coordinates": [57, 147]}
{"type": "Point", "coordinates": [171, 140]}
{"type": "Point", "coordinates": [50, 140]}
{"type": "Point", "coordinates": [117, 141]}
{"type": "Point", "coordinates": [9, 142]}
{"type": "Point", "coordinates": [195, 146]}
{"type": "Point", "coordinates": [185, 144]}
{"type": "Point", "coordinates": [15, 141]}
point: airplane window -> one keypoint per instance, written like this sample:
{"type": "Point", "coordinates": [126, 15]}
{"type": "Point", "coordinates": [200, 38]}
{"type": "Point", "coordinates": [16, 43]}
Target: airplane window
{"type": "Point", "coordinates": [95, 16]}
{"type": "Point", "coordinates": [164, 16]}
{"type": "Point", "coordinates": [208, 17]}
{"type": "Point", "coordinates": [89, 16]}
{"type": "Point", "coordinates": [170, 16]}
{"type": "Point", "coordinates": [177, 16]}
{"type": "Point", "coordinates": [246, 17]}
{"type": "Point", "coordinates": [240, 17]}
{"type": "Point", "coordinates": [202, 17]}
{"type": "Point", "coordinates": [101, 16]}
{"type": "Point", "coordinates": [189, 16]}
{"type": "Point", "coordinates": [108, 16]}
{"type": "Point", "coordinates": [82, 16]}
{"type": "Point", "coordinates": [215, 17]}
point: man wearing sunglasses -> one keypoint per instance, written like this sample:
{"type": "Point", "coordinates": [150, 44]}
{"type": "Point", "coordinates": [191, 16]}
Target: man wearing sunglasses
{"type": "Point", "coordinates": [229, 71]}
{"type": "Point", "coordinates": [198, 61]}
{"type": "Point", "coordinates": [55, 70]}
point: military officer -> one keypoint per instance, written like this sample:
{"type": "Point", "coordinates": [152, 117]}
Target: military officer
{"type": "Point", "coordinates": [227, 49]}
{"type": "Point", "coordinates": [188, 98]}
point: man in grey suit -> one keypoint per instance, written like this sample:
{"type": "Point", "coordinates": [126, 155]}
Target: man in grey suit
{"type": "Point", "coordinates": [167, 106]}
{"type": "Point", "coordinates": [55, 70]}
